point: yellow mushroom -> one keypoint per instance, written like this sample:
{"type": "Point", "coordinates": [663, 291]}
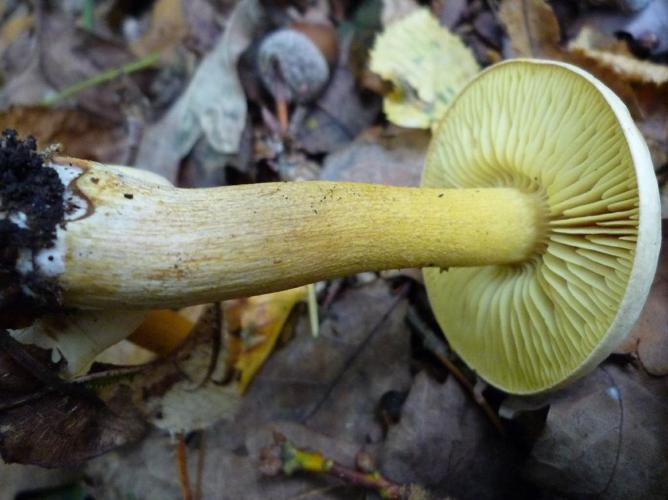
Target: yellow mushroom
{"type": "Point", "coordinates": [538, 222]}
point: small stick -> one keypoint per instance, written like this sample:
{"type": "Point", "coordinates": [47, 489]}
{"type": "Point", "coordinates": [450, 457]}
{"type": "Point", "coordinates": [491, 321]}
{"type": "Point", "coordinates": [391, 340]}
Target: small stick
{"type": "Point", "coordinates": [284, 457]}
{"type": "Point", "coordinates": [184, 480]}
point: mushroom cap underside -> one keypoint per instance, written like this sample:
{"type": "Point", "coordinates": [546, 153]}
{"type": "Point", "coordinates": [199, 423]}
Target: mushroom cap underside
{"type": "Point", "coordinates": [553, 129]}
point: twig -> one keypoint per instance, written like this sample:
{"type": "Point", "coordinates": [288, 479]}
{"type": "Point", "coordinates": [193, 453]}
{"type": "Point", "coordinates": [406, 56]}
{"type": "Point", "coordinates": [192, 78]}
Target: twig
{"type": "Point", "coordinates": [105, 76]}
{"type": "Point", "coordinates": [434, 345]}
{"type": "Point", "coordinates": [284, 457]}
{"type": "Point", "coordinates": [201, 457]}
{"type": "Point", "coordinates": [184, 480]}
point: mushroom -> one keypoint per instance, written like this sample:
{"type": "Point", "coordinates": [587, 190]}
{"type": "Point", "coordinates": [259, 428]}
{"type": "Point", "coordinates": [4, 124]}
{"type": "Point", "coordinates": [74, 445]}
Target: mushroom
{"type": "Point", "coordinates": [538, 222]}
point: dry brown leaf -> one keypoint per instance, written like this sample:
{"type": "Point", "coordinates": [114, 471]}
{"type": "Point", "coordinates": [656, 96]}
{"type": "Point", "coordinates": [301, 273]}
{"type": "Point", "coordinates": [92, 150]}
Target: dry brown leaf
{"type": "Point", "coordinates": [532, 27]}
{"type": "Point", "coordinates": [167, 29]}
{"type": "Point", "coordinates": [614, 54]}
{"type": "Point", "coordinates": [80, 133]}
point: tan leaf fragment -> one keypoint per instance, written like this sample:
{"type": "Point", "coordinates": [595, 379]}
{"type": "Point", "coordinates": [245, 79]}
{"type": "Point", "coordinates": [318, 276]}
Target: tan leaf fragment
{"type": "Point", "coordinates": [532, 27]}
{"type": "Point", "coordinates": [615, 55]}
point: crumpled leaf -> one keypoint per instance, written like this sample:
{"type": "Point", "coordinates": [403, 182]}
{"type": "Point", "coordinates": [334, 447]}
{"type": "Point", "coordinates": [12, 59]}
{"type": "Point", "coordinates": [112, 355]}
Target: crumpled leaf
{"type": "Point", "coordinates": [649, 337]}
{"type": "Point", "coordinates": [427, 66]}
{"type": "Point", "coordinates": [444, 442]}
{"type": "Point", "coordinates": [254, 326]}
{"type": "Point", "coordinates": [213, 105]}
{"type": "Point", "coordinates": [191, 389]}
{"type": "Point", "coordinates": [615, 55]}
{"type": "Point", "coordinates": [605, 436]}
{"type": "Point", "coordinates": [79, 336]}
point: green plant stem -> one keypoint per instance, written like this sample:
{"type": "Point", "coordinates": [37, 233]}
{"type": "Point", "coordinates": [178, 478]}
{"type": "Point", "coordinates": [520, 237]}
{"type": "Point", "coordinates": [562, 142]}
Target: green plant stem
{"type": "Point", "coordinates": [88, 14]}
{"type": "Point", "coordinates": [104, 77]}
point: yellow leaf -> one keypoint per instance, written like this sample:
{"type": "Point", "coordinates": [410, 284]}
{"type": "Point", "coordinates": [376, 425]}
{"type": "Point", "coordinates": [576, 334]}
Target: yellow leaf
{"type": "Point", "coordinates": [162, 331]}
{"type": "Point", "coordinates": [532, 27]}
{"type": "Point", "coordinates": [258, 322]}
{"type": "Point", "coordinates": [427, 66]}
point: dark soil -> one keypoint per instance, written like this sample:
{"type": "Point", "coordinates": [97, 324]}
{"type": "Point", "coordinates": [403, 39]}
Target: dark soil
{"type": "Point", "coordinates": [27, 187]}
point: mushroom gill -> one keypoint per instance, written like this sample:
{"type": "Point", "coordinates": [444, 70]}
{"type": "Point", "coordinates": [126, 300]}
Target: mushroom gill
{"type": "Point", "coordinates": [527, 328]}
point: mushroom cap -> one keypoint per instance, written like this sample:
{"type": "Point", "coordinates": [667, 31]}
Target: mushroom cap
{"type": "Point", "coordinates": [553, 129]}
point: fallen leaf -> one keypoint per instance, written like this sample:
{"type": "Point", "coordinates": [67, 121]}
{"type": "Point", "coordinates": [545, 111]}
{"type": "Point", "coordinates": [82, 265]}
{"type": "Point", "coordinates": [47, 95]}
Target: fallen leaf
{"type": "Point", "coordinates": [333, 383]}
{"type": "Point", "coordinates": [191, 389]}
{"type": "Point", "coordinates": [391, 156]}
{"type": "Point", "coordinates": [427, 66]}
{"type": "Point", "coordinates": [162, 331]}
{"type": "Point", "coordinates": [605, 436]}
{"type": "Point", "coordinates": [79, 336]}
{"type": "Point", "coordinates": [69, 55]}
{"type": "Point", "coordinates": [444, 442]}
{"type": "Point", "coordinates": [52, 428]}
{"type": "Point", "coordinates": [327, 392]}
{"type": "Point", "coordinates": [82, 134]}
{"type": "Point", "coordinates": [213, 105]}
{"type": "Point", "coordinates": [615, 55]}
{"type": "Point", "coordinates": [167, 29]}
{"type": "Point", "coordinates": [532, 27]}
{"type": "Point", "coordinates": [339, 115]}
{"type": "Point", "coordinates": [254, 326]}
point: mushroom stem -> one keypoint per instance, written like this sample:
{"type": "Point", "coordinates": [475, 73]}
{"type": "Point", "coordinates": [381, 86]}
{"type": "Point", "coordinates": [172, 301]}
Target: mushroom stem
{"type": "Point", "coordinates": [144, 245]}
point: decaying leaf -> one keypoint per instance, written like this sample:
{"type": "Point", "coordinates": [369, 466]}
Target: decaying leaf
{"type": "Point", "coordinates": [605, 436]}
{"type": "Point", "coordinates": [615, 55]}
{"type": "Point", "coordinates": [167, 30]}
{"type": "Point", "coordinates": [190, 389]}
{"type": "Point", "coordinates": [82, 134]}
{"type": "Point", "coordinates": [427, 66]}
{"type": "Point", "coordinates": [391, 156]}
{"type": "Point", "coordinates": [162, 331]}
{"type": "Point", "coordinates": [213, 105]}
{"type": "Point", "coordinates": [443, 442]}
{"type": "Point", "coordinates": [532, 27]}
{"type": "Point", "coordinates": [79, 336]}
{"type": "Point", "coordinates": [254, 325]}
{"type": "Point", "coordinates": [328, 384]}
{"type": "Point", "coordinates": [56, 426]}
{"type": "Point", "coordinates": [339, 114]}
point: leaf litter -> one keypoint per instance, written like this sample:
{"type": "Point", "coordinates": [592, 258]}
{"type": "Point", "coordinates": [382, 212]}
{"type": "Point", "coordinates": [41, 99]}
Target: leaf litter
{"type": "Point", "coordinates": [366, 387]}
